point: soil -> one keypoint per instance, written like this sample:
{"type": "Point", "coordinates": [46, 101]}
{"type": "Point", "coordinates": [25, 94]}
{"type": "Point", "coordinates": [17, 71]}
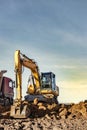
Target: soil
{"type": "Point", "coordinates": [61, 117]}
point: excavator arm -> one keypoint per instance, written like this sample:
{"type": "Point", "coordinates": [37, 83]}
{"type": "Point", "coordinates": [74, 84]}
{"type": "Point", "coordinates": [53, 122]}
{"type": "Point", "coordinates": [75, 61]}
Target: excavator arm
{"type": "Point", "coordinates": [18, 73]}
{"type": "Point", "coordinates": [22, 60]}
{"type": "Point", "coordinates": [19, 109]}
{"type": "Point", "coordinates": [32, 65]}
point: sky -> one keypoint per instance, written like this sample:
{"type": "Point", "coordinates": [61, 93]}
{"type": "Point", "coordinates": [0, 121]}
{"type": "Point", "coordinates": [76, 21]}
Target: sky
{"type": "Point", "coordinates": [54, 34]}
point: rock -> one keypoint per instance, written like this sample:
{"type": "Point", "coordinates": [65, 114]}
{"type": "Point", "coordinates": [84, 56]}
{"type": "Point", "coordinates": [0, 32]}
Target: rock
{"type": "Point", "coordinates": [56, 128]}
{"type": "Point", "coordinates": [63, 112]}
{"type": "Point", "coordinates": [35, 101]}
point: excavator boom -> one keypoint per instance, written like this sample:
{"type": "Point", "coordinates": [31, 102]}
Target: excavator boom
{"type": "Point", "coordinates": [20, 109]}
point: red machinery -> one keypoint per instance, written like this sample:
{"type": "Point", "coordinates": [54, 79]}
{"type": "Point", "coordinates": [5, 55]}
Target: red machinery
{"type": "Point", "coordinates": [6, 89]}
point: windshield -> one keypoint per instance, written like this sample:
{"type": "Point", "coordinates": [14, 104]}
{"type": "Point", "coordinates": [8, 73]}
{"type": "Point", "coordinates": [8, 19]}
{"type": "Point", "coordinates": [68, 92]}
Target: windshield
{"type": "Point", "coordinates": [46, 82]}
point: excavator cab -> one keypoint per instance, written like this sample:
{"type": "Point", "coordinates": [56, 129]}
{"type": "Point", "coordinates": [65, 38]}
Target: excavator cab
{"type": "Point", "coordinates": [48, 85]}
{"type": "Point", "coordinates": [48, 90]}
{"type": "Point", "coordinates": [48, 81]}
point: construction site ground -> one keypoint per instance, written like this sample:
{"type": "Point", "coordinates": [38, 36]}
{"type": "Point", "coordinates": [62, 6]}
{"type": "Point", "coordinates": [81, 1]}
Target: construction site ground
{"type": "Point", "coordinates": [51, 117]}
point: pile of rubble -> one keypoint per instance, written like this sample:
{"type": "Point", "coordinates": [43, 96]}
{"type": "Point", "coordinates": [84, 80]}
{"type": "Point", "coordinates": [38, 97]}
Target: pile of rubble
{"type": "Point", "coordinates": [60, 111]}
{"type": "Point", "coordinates": [49, 117]}
{"type": "Point", "coordinates": [73, 110]}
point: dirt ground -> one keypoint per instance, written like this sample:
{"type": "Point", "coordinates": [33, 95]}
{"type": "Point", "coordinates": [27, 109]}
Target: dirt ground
{"type": "Point", "coordinates": [64, 117]}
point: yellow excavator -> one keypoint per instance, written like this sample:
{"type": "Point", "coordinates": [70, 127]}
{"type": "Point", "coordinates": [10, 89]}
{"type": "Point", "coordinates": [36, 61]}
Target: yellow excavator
{"type": "Point", "coordinates": [41, 86]}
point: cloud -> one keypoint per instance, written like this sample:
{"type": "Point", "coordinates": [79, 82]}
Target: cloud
{"type": "Point", "coordinates": [40, 28]}
{"type": "Point", "coordinates": [65, 67]}
{"type": "Point", "coordinates": [69, 37]}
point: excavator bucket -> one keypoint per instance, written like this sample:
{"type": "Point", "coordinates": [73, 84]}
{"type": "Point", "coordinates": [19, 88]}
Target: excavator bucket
{"type": "Point", "coordinates": [19, 111]}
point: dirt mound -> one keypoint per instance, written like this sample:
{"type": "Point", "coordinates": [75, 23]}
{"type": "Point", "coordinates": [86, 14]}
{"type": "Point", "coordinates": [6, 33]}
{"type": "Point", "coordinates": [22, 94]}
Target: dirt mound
{"type": "Point", "coordinates": [60, 110]}
{"type": "Point", "coordinates": [73, 110]}
{"type": "Point", "coordinates": [41, 109]}
{"type": "Point", "coordinates": [48, 117]}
